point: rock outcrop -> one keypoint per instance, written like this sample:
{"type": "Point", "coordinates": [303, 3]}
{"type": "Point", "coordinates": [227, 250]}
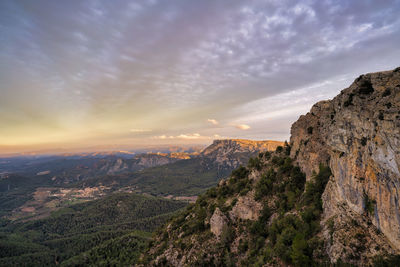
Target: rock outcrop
{"type": "Point", "coordinates": [246, 208]}
{"type": "Point", "coordinates": [217, 222]}
{"type": "Point", "coordinates": [153, 160]}
{"type": "Point", "coordinates": [358, 135]}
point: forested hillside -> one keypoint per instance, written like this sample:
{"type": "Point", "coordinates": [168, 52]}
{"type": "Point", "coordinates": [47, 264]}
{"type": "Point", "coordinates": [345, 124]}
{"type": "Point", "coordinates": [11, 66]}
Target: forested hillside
{"type": "Point", "coordinates": [109, 230]}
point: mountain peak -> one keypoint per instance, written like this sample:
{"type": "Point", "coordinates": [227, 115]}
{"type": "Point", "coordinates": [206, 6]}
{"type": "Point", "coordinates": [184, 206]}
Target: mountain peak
{"type": "Point", "coordinates": [224, 146]}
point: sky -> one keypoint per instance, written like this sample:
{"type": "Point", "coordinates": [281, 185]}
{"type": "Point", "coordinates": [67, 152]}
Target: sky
{"type": "Point", "coordinates": [131, 73]}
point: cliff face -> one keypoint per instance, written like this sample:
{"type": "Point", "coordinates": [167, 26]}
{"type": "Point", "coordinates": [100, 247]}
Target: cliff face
{"type": "Point", "coordinates": [358, 135]}
{"type": "Point", "coordinates": [240, 145]}
{"type": "Point", "coordinates": [152, 160]}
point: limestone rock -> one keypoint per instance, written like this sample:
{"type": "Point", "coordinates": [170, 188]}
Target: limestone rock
{"type": "Point", "coordinates": [358, 135]}
{"type": "Point", "coordinates": [246, 208]}
{"type": "Point", "coordinates": [217, 222]}
{"type": "Point", "coordinates": [235, 152]}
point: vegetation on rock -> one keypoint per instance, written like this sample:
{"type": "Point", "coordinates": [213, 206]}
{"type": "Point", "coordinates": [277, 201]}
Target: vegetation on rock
{"type": "Point", "coordinates": [285, 230]}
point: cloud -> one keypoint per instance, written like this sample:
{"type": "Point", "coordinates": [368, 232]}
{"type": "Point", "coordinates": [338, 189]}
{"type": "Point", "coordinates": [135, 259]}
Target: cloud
{"type": "Point", "coordinates": [242, 126]}
{"type": "Point", "coordinates": [140, 130]}
{"type": "Point", "coordinates": [190, 136]}
{"type": "Point", "coordinates": [213, 122]}
{"type": "Point", "coordinates": [160, 137]}
{"type": "Point", "coordinates": [194, 136]}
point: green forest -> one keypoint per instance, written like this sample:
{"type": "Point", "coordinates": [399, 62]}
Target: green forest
{"type": "Point", "coordinates": [108, 231]}
{"type": "Point", "coordinates": [185, 177]}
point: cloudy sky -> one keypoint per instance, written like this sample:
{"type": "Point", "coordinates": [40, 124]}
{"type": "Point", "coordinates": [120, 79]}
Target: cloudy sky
{"type": "Point", "coordinates": [85, 73]}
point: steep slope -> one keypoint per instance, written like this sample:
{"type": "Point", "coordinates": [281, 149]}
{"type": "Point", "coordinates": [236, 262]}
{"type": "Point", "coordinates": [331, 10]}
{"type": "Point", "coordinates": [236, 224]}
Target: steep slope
{"type": "Point", "coordinates": [358, 135]}
{"type": "Point", "coordinates": [348, 151]}
{"type": "Point", "coordinates": [263, 214]}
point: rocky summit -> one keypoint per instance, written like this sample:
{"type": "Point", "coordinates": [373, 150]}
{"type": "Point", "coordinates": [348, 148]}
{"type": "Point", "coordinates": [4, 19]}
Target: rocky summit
{"type": "Point", "coordinates": [331, 196]}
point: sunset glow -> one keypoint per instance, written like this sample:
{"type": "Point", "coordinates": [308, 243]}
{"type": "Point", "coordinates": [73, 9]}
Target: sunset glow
{"type": "Point", "coordinates": [78, 74]}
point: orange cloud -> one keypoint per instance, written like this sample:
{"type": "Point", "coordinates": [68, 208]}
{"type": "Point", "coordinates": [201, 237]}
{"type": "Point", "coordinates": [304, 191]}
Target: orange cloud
{"type": "Point", "coordinates": [213, 121]}
{"type": "Point", "coordinates": [242, 126]}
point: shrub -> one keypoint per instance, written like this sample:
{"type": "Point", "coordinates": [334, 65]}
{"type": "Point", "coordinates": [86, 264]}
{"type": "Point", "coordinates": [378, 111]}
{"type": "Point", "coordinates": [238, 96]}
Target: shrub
{"type": "Point", "coordinates": [287, 165]}
{"type": "Point", "coordinates": [265, 184]}
{"type": "Point", "coordinates": [284, 243]}
{"type": "Point", "coordinates": [299, 251]}
{"type": "Point", "coordinates": [287, 149]}
{"type": "Point", "coordinates": [265, 213]}
{"type": "Point", "coordinates": [257, 228]}
{"type": "Point", "coordinates": [243, 245]}
{"type": "Point", "coordinates": [310, 130]}
{"type": "Point", "coordinates": [227, 235]}
{"type": "Point", "coordinates": [234, 201]}
{"type": "Point", "coordinates": [349, 100]}
{"type": "Point", "coordinates": [381, 116]}
{"type": "Point", "coordinates": [240, 172]}
{"type": "Point", "coordinates": [369, 204]}
{"type": "Point", "coordinates": [366, 88]}
{"type": "Point", "coordinates": [392, 260]}
{"type": "Point", "coordinates": [202, 202]}
{"type": "Point", "coordinates": [254, 163]}
{"type": "Point", "coordinates": [298, 178]}
{"type": "Point", "coordinates": [364, 141]}
{"type": "Point", "coordinates": [225, 191]}
{"type": "Point", "coordinates": [315, 188]}
{"type": "Point", "coordinates": [212, 192]}
{"type": "Point", "coordinates": [387, 92]}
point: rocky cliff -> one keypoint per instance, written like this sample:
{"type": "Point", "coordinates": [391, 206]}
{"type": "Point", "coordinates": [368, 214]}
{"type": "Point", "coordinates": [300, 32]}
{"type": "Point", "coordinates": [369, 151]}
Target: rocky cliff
{"type": "Point", "coordinates": [330, 197]}
{"type": "Point", "coordinates": [152, 160]}
{"type": "Point", "coordinates": [227, 146]}
{"type": "Point", "coordinates": [358, 134]}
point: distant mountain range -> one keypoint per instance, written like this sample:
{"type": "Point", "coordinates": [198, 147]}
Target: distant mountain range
{"type": "Point", "coordinates": [172, 175]}
{"type": "Point", "coordinates": [72, 168]}
{"type": "Point", "coordinates": [188, 177]}
{"type": "Point", "coordinates": [101, 151]}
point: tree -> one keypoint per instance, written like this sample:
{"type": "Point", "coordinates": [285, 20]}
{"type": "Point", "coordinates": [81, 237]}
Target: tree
{"type": "Point", "coordinates": [299, 250]}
